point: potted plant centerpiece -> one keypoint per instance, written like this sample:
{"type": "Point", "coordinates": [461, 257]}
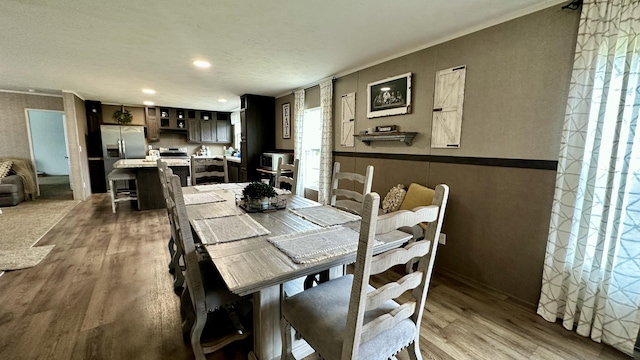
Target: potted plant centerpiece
{"type": "Point", "coordinates": [122, 117]}
{"type": "Point", "coordinates": [257, 194]}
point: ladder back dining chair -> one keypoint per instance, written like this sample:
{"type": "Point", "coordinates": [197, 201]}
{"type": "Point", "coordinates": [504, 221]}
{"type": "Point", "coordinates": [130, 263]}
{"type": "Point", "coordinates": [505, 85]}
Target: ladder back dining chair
{"type": "Point", "coordinates": [205, 291]}
{"type": "Point", "coordinates": [353, 201]}
{"type": "Point", "coordinates": [346, 318]}
{"type": "Point", "coordinates": [175, 251]}
{"type": "Point", "coordinates": [209, 170]}
{"type": "Point", "coordinates": [283, 176]}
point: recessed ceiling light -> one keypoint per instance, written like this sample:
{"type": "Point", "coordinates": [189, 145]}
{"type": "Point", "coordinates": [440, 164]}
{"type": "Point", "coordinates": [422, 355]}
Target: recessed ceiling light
{"type": "Point", "coordinates": [201, 64]}
{"type": "Point", "coordinates": [148, 91]}
{"type": "Point", "coordinates": [148, 103]}
{"type": "Point", "coordinates": [222, 100]}
{"type": "Point", "coordinates": [385, 89]}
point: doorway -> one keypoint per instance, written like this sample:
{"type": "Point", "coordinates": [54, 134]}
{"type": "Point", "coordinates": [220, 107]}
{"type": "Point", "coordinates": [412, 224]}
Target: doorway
{"type": "Point", "coordinates": [50, 154]}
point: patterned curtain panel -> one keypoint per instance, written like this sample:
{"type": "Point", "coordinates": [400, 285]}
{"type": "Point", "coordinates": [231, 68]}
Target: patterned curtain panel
{"type": "Point", "coordinates": [298, 119]}
{"type": "Point", "coordinates": [326, 147]}
{"type": "Point", "coordinates": [591, 276]}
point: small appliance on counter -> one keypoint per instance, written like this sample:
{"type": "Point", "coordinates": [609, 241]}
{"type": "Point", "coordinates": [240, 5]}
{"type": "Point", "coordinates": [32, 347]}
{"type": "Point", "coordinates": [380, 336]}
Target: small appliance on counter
{"type": "Point", "coordinates": [153, 154]}
{"type": "Point", "coordinates": [204, 151]}
{"type": "Point", "coordinates": [269, 161]}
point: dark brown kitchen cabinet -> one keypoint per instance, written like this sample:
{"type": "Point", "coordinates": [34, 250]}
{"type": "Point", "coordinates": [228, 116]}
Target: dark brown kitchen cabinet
{"type": "Point", "coordinates": [234, 171]}
{"type": "Point", "coordinates": [223, 128]}
{"type": "Point", "coordinates": [258, 123]}
{"type": "Point", "coordinates": [209, 127]}
{"type": "Point", "coordinates": [153, 127]}
{"type": "Point", "coordinates": [193, 130]}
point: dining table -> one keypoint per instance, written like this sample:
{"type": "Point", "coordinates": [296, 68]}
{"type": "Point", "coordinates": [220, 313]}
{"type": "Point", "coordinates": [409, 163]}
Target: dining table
{"type": "Point", "coordinates": [252, 264]}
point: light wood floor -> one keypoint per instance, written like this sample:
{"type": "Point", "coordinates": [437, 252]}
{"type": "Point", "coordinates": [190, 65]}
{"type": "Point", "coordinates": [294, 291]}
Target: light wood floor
{"type": "Point", "coordinates": [104, 293]}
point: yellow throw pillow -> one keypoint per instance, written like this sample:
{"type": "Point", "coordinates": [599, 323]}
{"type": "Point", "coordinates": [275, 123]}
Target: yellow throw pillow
{"type": "Point", "coordinates": [417, 195]}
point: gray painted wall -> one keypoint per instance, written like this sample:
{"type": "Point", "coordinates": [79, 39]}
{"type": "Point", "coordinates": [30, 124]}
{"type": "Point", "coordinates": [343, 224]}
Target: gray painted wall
{"type": "Point", "coordinates": [49, 144]}
{"type": "Point", "coordinates": [14, 137]}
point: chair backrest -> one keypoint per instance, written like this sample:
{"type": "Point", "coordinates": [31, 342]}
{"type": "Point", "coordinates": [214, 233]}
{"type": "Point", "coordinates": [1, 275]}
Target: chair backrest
{"type": "Point", "coordinates": [184, 239]}
{"type": "Point", "coordinates": [366, 265]}
{"type": "Point", "coordinates": [354, 199]}
{"type": "Point", "coordinates": [283, 177]}
{"type": "Point", "coordinates": [207, 170]}
{"type": "Point", "coordinates": [162, 169]}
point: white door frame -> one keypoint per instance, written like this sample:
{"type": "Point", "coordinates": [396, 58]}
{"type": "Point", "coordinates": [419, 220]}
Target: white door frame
{"type": "Point", "coordinates": [66, 141]}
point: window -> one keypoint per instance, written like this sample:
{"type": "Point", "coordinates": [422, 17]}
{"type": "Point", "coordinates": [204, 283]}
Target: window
{"type": "Point", "coordinates": [311, 140]}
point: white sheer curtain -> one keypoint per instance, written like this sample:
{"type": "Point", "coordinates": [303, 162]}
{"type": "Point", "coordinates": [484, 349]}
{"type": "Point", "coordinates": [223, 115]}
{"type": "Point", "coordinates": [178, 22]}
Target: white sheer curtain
{"type": "Point", "coordinates": [591, 276]}
{"type": "Point", "coordinates": [298, 121]}
{"type": "Point", "coordinates": [326, 148]}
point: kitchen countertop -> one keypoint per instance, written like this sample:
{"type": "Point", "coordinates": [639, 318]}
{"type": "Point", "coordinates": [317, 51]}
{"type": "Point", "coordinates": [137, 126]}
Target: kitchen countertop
{"type": "Point", "coordinates": [142, 163]}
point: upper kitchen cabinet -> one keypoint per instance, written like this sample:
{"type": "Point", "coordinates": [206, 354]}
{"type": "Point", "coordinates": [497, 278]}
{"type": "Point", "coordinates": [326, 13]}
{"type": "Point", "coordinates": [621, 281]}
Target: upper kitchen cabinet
{"type": "Point", "coordinates": [153, 125]}
{"type": "Point", "coordinates": [173, 119]}
{"type": "Point", "coordinates": [138, 114]}
{"type": "Point", "coordinates": [209, 127]}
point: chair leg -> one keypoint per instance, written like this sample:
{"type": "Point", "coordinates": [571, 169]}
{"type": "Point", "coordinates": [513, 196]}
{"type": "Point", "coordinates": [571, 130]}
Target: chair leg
{"type": "Point", "coordinates": [112, 192]}
{"type": "Point", "coordinates": [196, 335]}
{"type": "Point", "coordinates": [414, 350]}
{"type": "Point", "coordinates": [172, 251]}
{"type": "Point", "coordinates": [186, 311]}
{"type": "Point", "coordinates": [285, 331]}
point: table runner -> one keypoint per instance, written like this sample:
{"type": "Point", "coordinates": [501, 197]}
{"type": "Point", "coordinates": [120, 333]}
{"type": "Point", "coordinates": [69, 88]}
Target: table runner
{"type": "Point", "coordinates": [227, 229]}
{"type": "Point", "coordinates": [201, 198]}
{"type": "Point", "coordinates": [316, 245]}
{"type": "Point", "coordinates": [325, 215]}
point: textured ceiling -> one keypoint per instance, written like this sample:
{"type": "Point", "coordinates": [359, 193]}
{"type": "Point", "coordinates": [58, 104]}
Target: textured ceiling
{"type": "Point", "coordinates": [110, 50]}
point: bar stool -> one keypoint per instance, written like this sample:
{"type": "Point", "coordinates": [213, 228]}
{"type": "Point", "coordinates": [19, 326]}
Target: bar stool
{"type": "Point", "coordinates": [125, 193]}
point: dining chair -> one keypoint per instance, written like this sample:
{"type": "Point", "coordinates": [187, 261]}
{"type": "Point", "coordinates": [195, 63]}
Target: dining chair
{"type": "Point", "coordinates": [205, 291]}
{"type": "Point", "coordinates": [175, 252]}
{"type": "Point", "coordinates": [282, 175]}
{"type": "Point", "coordinates": [353, 201]}
{"type": "Point", "coordinates": [209, 170]}
{"type": "Point", "coordinates": [346, 318]}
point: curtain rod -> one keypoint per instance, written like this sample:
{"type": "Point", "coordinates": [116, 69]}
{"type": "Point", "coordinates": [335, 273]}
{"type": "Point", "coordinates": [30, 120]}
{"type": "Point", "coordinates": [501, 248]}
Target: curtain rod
{"type": "Point", "coordinates": [308, 86]}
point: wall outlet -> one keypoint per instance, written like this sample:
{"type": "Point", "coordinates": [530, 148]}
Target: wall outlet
{"type": "Point", "coordinates": [442, 240]}
{"type": "Point", "coordinates": [84, 185]}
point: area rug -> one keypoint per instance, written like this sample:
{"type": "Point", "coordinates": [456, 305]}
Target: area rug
{"type": "Point", "coordinates": [22, 226]}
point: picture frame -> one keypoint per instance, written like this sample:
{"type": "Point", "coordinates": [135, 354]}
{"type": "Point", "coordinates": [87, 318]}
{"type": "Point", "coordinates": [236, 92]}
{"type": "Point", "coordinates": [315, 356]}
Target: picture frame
{"type": "Point", "coordinates": [391, 96]}
{"type": "Point", "coordinates": [286, 121]}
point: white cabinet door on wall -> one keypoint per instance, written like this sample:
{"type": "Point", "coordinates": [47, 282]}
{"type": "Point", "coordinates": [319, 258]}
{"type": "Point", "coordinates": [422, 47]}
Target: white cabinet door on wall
{"type": "Point", "coordinates": [447, 107]}
{"type": "Point", "coordinates": [348, 120]}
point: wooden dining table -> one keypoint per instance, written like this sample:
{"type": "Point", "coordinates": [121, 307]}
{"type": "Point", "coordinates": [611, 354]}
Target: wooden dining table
{"type": "Point", "coordinates": [254, 266]}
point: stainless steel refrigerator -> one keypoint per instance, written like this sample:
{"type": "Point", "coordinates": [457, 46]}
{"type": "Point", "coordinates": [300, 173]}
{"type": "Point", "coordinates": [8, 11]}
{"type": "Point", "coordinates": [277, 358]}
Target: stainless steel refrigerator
{"type": "Point", "coordinates": [121, 142]}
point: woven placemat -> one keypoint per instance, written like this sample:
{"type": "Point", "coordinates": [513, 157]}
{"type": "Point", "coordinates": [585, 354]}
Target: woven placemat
{"type": "Point", "coordinates": [201, 198]}
{"type": "Point", "coordinates": [316, 245]}
{"type": "Point", "coordinates": [325, 215]}
{"type": "Point", "coordinates": [213, 210]}
{"type": "Point", "coordinates": [213, 187]}
{"type": "Point", "coordinates": [227, 229]}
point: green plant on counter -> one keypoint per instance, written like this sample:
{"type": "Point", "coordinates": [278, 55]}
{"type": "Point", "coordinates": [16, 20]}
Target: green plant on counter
{"type": "Point", "coordinates": [122, 117]}
{"type": "Point", "coordinates": [258, 190]}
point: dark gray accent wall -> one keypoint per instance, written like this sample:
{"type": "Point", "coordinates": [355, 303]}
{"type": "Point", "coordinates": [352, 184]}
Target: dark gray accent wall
{"type": "Point", "coordinates": [518, 76]}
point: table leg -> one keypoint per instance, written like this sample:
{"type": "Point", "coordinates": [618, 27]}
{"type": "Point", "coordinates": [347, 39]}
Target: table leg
{"type": "Point", "coordinates": [267, 344]}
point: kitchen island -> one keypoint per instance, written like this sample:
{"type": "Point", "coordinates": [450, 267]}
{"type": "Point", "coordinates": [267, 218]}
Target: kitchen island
{"type": "Point", "coordinates": [149, 188]}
